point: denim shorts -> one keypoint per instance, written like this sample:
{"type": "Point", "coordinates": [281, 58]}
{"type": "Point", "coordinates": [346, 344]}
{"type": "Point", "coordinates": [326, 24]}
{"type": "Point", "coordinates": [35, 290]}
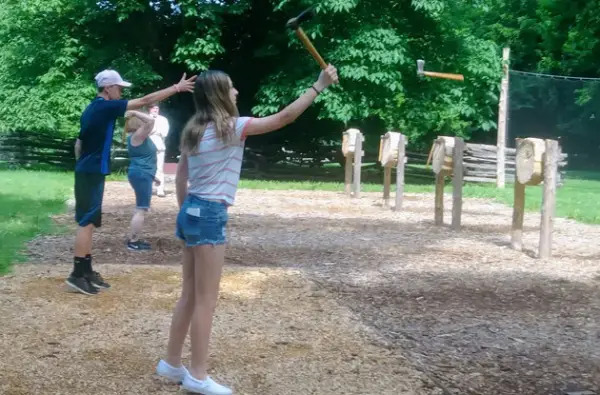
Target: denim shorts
{"type": "Point", "coordinates": [142, 186]}
{"type": "Point", "coordinates": [201, 222]}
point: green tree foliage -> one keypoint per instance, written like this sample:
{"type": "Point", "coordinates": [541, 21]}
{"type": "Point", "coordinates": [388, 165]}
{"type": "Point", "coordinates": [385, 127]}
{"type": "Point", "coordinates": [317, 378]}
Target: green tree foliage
{"type": "Point", "coordinates": [50, 50]}
{"type": "Point", "coordinates": [552, 37]}
{"type": "Point", "coordinates": [375, 45]}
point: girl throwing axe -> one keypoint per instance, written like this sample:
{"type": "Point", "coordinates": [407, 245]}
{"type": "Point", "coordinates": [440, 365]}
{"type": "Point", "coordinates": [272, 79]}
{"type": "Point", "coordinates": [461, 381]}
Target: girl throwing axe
{"type": "Point", "coordinates": [212, 147]}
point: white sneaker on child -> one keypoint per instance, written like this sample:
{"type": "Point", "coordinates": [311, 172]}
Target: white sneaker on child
{"type": "Point", "coordinates": [165, 370]}
{"type": "Point", "coordinates": [206, 387]}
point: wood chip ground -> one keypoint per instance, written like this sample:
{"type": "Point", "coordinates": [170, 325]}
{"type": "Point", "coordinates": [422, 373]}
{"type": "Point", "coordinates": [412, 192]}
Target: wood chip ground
{"type": "Point", "coordinates": [322, 294]}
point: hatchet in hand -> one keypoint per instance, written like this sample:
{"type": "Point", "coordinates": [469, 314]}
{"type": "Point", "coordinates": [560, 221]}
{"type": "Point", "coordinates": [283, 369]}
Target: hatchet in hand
{"type": "Point", "coordinates": [294, 24]}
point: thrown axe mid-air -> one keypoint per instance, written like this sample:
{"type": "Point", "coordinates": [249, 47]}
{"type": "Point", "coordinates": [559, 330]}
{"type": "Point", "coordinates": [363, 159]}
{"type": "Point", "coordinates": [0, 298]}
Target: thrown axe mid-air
{"type": "Point", "coordinates": [421, 72]}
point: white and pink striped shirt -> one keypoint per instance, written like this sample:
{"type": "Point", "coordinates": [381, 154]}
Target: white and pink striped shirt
{"type": "Point", "coordinates": [214, 171]}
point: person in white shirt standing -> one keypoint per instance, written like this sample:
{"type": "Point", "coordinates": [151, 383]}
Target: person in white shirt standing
{"type": "Point", "coordinates": [158, 136]}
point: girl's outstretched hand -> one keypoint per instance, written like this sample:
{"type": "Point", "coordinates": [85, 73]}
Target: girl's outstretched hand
{"type": "Point", "coordinates": [327, 77]}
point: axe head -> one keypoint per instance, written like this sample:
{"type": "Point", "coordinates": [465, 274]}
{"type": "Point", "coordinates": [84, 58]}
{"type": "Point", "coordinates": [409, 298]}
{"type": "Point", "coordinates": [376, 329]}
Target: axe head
{"type": "Point", "coordinates": [420, 67]}
{"type": "Point", "coordinates": [305, 15]}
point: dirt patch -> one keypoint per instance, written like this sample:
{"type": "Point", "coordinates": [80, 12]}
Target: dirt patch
{"type": "Point", "coordinates": [326, 294]}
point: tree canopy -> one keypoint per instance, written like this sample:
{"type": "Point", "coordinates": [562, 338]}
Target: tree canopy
{"type": "Point", "coordinates": [50, 51]}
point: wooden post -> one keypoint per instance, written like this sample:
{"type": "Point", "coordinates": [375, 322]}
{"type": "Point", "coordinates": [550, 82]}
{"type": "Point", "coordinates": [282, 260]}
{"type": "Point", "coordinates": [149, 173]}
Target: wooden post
{"type": "Point", "coordinates": [502, 115]}
{"type": "Point", "coordinates": [559, 175]}
{"type": "Point", "coordinates": [387, 180]}
{"type": "Point", "coordinates": [400, 173]}
{"type": "Point", "coordinates": [357, 164]}
{"type": "Point", "coordinates": [348, 177]}
{"type": "Point", "coordinates": [549, 199]}
{"type": "Point", "coordinates": [516, 239]}
{"type": "Point", "coordinates": [430, 155]}
{"type": "Point", "coordinates": [457, 181]}
{"type": "Point", "coordinates": [439, 198]}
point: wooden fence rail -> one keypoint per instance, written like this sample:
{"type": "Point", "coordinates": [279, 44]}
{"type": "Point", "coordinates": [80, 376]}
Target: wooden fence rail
{"type": "Point", "coordinates": [26, 148]}
{"type": "Point", "coordinates": [479, 160]}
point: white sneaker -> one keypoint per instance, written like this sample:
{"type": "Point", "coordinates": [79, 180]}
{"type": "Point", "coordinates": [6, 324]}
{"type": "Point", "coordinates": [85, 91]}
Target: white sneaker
{"type": "Point", "coordinates": [176, 375]}
{"type": "Point", "coordinates": [205, 387]}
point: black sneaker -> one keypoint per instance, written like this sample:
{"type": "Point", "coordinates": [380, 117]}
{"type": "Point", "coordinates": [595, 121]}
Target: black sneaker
{"type": "Point", "coordinates": [138, 246]}
{"type": "Point", "coordinates": [81, 284]}
{"type": "Point", "coordinates": [96, 280]}
{"type": "Point", "coordinates": [144, 243]}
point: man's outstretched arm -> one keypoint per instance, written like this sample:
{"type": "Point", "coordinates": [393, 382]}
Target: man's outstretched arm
{"type": "Point", "coordinates": [184, 85]}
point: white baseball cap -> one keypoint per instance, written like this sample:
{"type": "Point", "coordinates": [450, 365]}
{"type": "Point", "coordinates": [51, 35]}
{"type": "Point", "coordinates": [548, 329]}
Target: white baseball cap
{"type": "Point", "coordinates": [110, 77]}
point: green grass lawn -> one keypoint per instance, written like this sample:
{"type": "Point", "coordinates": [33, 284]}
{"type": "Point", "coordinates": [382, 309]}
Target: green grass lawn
{"type": "Point", "coordinates": [27, 198]}
{"type": "Point", "coordinates": [578, 198]}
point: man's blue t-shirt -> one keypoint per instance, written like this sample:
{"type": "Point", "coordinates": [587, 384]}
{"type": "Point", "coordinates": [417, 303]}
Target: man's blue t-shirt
{"type": "Point", "coordinates": [96, 134]}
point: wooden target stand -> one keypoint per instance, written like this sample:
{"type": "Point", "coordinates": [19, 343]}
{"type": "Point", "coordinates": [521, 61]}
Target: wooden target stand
{"type": "Point", "coordinates": [392, 153]}
{"type": "Point", "coordinates": [536, 162]}
{"type": "Point", "coordinates": [447, 160]}
{"type": "Point", "coordinates": [352, 140]}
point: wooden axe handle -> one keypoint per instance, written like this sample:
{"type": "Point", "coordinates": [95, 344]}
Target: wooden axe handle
{"type": "Point", "coordinates": [449, 76]}
{"type": "Point", "coordinates": [311, 48]}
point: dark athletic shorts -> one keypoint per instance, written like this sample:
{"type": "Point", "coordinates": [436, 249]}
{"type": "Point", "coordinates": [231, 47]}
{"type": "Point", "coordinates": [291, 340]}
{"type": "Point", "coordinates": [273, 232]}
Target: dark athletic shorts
{"type": "Point", "coordinates": [89, 191]}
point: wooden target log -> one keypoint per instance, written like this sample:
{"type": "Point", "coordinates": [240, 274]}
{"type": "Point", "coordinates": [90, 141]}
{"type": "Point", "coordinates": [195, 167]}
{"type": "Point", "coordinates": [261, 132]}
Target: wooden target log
{"type": "Point", "coordinates": [387, 182]}
{"type": "Point", "coordinates": [348, 149]}
{"type": "Point", "coordinates": [349, 141]}
{"type": "Point", "coordinates": [529, 161]}
{"type": "Point", "coordinates": [400, 172]}
{"type": "Point", "coordinates": [447, 160]}
{"type": "Point", "coordinates": [457, 181]}
{"type": "Point", "coordinates": [388, 155]}
{"type": "Point", "coordinates": [392, 154]}
{"type": "Point", "coordinates": [348, 174]}
{"type": "Point", "coordinates": [442, 155]}
{"type": "Point", "coordinates": [352, 150]}
{"type": "Point", "coordinates": [388, 151]}
{"type": "Point", "coordinates": [357, 164]}
{"type": "Point", "coordinates": [551, 158]}
{"type": "Point", "coordinates": [439, 199]}
{"type": "Point", "coordinates": [516, 238]}
{"type": "Point", "coordinates": [441, 164]}
{"type": "Point", "coordinates": [536, 161]}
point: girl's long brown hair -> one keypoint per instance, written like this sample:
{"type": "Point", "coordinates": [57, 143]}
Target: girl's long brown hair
{"type": "Point", "coordinates": [213, 104]}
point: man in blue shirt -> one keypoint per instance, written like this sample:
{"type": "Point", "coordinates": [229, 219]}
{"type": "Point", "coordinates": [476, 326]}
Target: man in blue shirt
{"type": "Point", "coordinates": [92, 151]}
